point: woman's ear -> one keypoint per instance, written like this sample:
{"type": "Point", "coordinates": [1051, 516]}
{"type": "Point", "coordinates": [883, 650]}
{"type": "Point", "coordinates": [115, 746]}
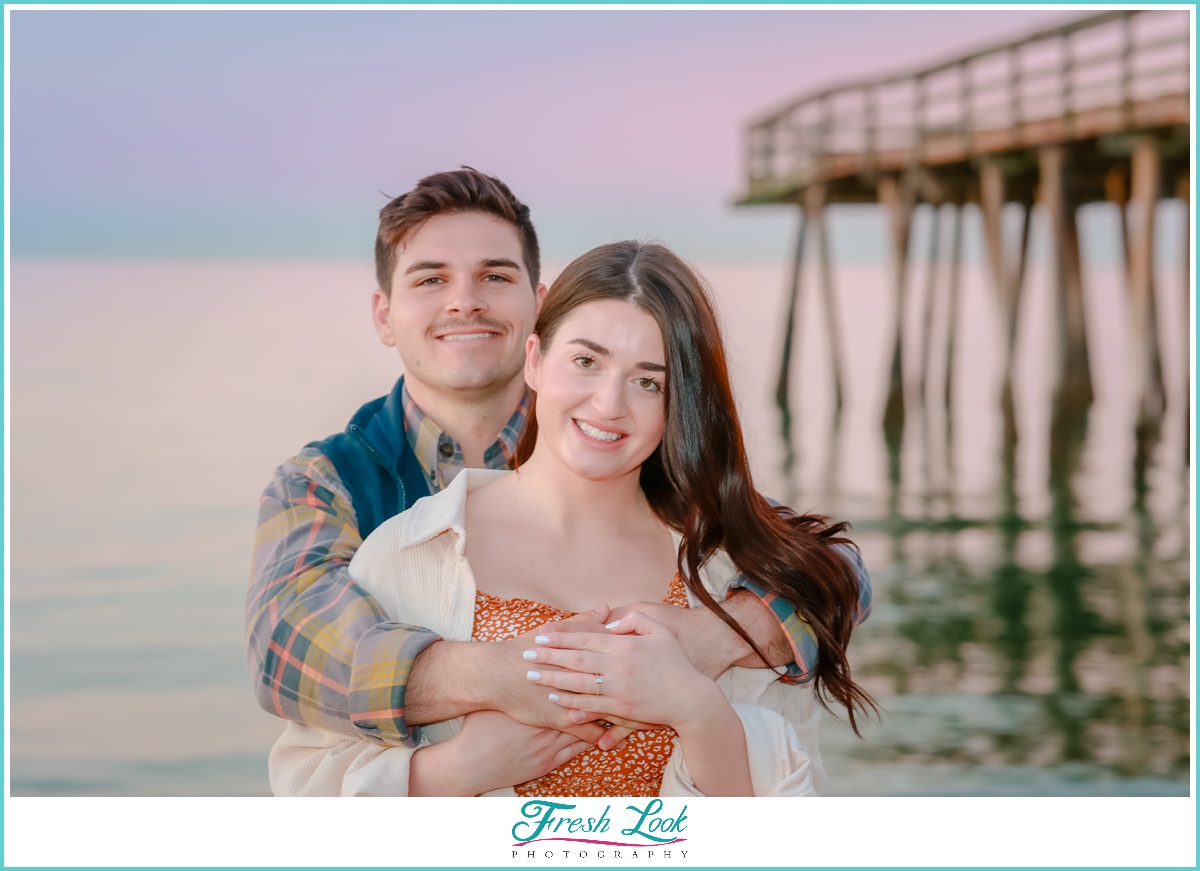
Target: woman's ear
{"type": "Point", "coordinates": [533, 359]}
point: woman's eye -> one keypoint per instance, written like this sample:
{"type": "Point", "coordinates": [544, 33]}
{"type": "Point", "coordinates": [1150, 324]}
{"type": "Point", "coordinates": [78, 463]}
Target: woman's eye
{"type": "Point", "coordinates": [649, 384]}
{"type": "Point", "coordinates": [585, 362]}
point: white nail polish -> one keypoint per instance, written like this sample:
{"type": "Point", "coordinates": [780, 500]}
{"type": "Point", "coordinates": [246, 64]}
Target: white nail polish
{"type": "Point", "coordinates": [612, 625]}
{"type": "Point", "coordinates": [529, 654]}
{"type": "Point", "coordinates": [553, 697]}
{"type": "Point", "coordinates": [542, 639]}
{"type": "Point", "coordinates": [533, 675]}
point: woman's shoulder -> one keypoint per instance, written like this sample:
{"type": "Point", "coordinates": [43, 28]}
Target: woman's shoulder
{"type": "Point", "coordinates": [428, 519]}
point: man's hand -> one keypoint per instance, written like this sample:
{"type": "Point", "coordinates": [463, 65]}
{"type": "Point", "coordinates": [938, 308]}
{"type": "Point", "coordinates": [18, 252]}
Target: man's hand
{"type": "Point", "coordinates": [453, 678]}
{"type": "Point", "coordinates": [490, 752]}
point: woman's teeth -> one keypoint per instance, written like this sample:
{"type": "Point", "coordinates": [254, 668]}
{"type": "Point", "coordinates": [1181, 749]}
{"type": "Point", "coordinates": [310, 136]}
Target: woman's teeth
{"type": "Point", "coordinates": [600, 434]}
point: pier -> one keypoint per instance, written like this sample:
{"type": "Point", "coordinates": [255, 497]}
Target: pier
{"type": "Point", "coordinates": [1097, 109]}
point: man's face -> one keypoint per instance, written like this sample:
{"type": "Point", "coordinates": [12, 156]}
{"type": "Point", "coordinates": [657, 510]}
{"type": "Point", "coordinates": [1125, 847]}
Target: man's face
{"type": "Point", "coordinates": [461, 304]}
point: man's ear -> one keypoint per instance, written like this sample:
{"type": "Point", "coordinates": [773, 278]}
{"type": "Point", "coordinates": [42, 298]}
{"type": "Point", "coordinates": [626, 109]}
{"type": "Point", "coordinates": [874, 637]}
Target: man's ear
{"type": "Point", "coordinates": [381, 310]}
{"type": "Point", "coordinates": [540, 297]}
{"type": "Point", "coordinates": [533, 358]}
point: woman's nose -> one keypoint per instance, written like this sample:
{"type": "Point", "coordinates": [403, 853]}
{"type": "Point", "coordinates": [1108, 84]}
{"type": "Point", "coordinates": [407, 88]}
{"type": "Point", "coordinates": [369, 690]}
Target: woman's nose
{"type": "Point", "coordinates": [609, 398]}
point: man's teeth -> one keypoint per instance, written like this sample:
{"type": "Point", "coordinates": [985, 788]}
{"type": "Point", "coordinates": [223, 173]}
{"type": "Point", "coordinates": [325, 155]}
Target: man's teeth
{"type": "Point", "coordinates": [597, 433]}
{"type": "Point", "coordinates": [466, 337]}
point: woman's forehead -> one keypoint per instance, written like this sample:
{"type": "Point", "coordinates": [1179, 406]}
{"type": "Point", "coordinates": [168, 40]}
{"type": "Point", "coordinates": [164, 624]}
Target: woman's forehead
{"type": "Point", "coordinates": [615, 327]}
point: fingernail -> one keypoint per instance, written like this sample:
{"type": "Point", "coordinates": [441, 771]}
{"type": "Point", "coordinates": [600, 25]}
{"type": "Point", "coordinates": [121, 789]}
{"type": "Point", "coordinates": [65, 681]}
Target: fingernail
{"type": "Point", "coordinates": [529, 654]}
{"type": "Point", "coordinates": [553, 697]}
{"type": "Point", "coordinates": [605, 743]}
{"type": "Point", "coordinates": [542, 639]}
{"type": "Point", "coordinates": [577, 716]}
{"type": "Point", "coordinates": [533, 675]}
{"type": "Point", "coordinates": [612, 625]}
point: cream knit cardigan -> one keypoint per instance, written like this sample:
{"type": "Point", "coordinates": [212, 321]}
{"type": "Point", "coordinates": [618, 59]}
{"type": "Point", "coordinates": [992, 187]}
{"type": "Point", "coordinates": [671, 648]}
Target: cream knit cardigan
{"type": "Point", "coordinates": [415, 566]}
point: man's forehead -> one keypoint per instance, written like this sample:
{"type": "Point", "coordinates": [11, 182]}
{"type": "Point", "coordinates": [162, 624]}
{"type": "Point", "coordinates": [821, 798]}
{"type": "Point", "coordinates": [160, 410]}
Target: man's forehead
{"type": "Point", "coordinates": [462, 239]}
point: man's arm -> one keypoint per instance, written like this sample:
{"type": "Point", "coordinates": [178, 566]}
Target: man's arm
{"type": "Point", "coordinates": [324, 653]}
{"type": "Point", "coordinates": [453, 678]}
{"type": "Point", "coordinates": [320, 650]}
{"type": "Point", "coordinates": [779, 630]}
{"type": "Point", "coordinates": [710, 643]}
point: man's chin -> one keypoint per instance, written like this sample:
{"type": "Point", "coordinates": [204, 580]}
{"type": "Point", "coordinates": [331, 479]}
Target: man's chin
{"type": "Point", "coordinates": [472, 380]}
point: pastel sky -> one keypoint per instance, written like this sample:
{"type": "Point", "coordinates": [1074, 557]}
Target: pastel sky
{"type": "Point", "coordinates": [209, 133]}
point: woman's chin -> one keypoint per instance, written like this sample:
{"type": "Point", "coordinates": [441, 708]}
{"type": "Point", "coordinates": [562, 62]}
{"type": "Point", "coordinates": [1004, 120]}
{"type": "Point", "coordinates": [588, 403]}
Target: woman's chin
{"type": "Point", "coordinates": [591, 470]}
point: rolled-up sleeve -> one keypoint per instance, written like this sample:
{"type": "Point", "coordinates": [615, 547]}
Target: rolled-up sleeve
{"type": "Point", "coordinates": [320, 649]}
{"type": "Point", "coordinates": [796, 629]}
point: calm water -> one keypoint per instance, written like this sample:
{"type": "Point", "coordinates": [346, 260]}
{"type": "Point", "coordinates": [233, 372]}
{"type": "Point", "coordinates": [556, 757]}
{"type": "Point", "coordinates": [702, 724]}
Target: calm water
{"type": "Point", "coordinates": [1029, 643]}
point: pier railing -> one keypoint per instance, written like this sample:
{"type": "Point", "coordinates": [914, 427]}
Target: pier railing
{"type": "Point", "coordinates": [1117, 71]}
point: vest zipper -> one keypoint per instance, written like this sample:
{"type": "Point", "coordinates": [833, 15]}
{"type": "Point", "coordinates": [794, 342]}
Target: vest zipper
{"type": "Point", "coordinates": [357, 434]}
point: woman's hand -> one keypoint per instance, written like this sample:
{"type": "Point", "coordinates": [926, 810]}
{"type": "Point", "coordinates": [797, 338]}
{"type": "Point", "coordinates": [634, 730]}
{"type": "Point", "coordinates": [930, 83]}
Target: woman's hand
{"type": "Point", "coordinates": [645, 673]}
{"type": "Point", "coordinates": [492, 750]}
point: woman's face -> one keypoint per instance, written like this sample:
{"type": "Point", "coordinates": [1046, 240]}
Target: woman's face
{"type": "Point", "coordinates": [600, 389]}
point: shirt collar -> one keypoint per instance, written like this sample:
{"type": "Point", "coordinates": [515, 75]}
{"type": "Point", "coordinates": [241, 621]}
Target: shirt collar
{"type": "Point", "coordinates": [440, 456]}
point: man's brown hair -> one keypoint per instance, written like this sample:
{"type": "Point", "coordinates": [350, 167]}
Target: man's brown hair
{"type": "Point", "coordinates": [460, 190]}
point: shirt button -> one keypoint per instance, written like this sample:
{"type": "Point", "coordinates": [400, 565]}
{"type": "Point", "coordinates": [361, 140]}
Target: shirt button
{"type": "Point", "coordinates": [446, 449]}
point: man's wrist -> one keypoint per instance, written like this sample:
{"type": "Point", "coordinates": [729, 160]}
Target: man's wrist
{"type": "Point", "coordinates": [448, 679]}
{"type": "Point", "coordinates": [761, 624]}
{"type": "Point", "coordinates": [711, 644]}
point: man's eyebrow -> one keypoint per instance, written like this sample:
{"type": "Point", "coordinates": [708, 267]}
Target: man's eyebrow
{"type": "Point", "coordinates": [421, 265]}
{"type": "Point", "coordinates": [501, 262]}
{"type": "Point", "coordinates": [603, 351]}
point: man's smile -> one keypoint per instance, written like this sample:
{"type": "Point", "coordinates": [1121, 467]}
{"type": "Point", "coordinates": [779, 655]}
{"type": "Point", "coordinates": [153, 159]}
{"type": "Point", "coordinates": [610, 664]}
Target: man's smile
{"type": "Point", "coordinates": [466, 337]}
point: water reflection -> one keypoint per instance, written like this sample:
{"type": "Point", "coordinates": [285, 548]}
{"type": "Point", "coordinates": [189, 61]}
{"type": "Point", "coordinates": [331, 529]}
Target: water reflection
{"type": "Point", "coordinates": [1022, 654]}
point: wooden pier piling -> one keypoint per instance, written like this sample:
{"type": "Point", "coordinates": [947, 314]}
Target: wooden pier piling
{"type": "Point", "coordinates": [1108, 119]}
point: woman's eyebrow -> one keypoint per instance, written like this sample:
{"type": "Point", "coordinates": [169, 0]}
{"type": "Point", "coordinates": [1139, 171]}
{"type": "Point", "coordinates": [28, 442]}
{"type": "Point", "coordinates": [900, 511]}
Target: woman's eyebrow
{"type": "Point", "coordinates": [604, 352]}
{"type": "Point", "coordinates": [591, 346]}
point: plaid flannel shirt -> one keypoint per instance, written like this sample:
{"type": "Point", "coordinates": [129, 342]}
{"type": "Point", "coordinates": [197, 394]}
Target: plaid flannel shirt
{"type": "Point", "coordinates": [320, 649]}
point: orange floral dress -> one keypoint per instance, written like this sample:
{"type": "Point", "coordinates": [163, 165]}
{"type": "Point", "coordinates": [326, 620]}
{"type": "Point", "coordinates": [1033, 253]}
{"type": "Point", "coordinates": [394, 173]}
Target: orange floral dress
{"type": "Point", "coordinates": [636, 769]}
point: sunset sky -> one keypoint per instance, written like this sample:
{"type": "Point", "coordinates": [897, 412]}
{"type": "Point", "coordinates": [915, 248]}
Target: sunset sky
{"type": "Point", "coordinates": [213, 134]}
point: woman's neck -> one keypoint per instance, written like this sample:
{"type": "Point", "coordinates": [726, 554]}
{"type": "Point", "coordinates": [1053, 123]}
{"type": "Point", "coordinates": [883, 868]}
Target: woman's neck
{"type": "Point", "coordinates": [566, 503]}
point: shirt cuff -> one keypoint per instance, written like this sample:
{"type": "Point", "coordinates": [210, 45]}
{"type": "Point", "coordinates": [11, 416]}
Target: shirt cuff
{"type": "Point", "coordinates": [383, 660]}
{"type": "Point", "coordinates": [799, 634]}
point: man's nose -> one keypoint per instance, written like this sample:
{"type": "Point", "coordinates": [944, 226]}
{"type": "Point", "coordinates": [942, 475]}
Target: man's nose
{"type": "Point", "coordinates": [465, 299]}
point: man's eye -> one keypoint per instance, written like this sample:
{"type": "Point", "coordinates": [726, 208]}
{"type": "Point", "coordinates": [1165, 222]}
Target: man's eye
{"type": "Point", "coordinates": [433, 279]}
{"type": "Point", "coordinates": [496, 277]}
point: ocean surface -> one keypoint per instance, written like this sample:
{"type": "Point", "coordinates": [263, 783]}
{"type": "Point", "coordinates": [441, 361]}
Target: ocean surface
{"type": "Point", "coordinates": [1033, 644]}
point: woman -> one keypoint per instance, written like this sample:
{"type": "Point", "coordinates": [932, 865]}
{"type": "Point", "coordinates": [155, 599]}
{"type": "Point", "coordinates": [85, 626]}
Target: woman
{"type": "Point", "coordinates": [632, 485]}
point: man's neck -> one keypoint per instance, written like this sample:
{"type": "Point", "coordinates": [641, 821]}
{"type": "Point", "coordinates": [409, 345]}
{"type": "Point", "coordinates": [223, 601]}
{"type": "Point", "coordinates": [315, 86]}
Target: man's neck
{"type": "Point", "coordinates": [472, 418]}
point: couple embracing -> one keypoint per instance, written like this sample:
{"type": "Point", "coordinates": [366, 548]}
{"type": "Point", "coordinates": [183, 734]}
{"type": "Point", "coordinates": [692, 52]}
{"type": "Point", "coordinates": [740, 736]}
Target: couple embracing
{"type": "Point", "coordinates": [539, 566]}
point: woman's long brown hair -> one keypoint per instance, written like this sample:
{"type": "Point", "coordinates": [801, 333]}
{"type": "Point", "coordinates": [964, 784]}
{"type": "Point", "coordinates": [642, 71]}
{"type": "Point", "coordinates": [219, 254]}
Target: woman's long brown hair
{"type": "Point", "coordinates": [698, 478]}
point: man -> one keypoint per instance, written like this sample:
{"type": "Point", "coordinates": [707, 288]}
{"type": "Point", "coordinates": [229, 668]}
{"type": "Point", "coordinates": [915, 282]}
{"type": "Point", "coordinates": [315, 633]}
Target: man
{"type": "Point", "coordinates": [457, 264]}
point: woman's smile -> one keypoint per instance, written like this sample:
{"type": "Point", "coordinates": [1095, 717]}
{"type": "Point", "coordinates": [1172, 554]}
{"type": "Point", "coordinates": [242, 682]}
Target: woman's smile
{"type": "Point", "coordinates": [598, 433]}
